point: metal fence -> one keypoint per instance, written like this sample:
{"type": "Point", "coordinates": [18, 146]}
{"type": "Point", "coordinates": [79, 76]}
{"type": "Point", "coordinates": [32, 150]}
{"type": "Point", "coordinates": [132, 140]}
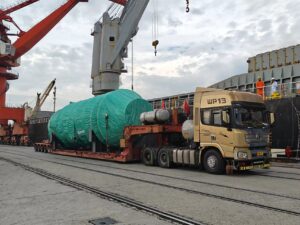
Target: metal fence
{"type": "Point", "coordinates": [174, 102]}
{"type": "Point", "coordinates": [282, 90]}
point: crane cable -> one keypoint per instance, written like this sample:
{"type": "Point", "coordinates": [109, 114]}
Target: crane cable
{"type": "Point", "coordinates": [155, 41]}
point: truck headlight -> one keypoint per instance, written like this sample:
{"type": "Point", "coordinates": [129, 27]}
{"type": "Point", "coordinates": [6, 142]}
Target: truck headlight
{"type": "Point", "coordinates": [242, 155]}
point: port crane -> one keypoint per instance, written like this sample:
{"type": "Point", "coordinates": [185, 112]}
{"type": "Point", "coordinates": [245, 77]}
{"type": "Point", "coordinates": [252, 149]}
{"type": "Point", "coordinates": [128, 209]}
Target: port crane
{"type": "Point", "coordinates": [10, 53]}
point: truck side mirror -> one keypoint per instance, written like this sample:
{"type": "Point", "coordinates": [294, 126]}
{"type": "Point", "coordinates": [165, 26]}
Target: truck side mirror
{"type": "Point", "coordinates": [272, 118]}
{"type": "Point", "coordinates": [225, 117]}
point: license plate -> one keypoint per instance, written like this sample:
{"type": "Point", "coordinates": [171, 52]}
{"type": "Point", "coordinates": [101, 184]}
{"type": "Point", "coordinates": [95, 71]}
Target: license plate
{"type": "Point", "coordinates": [259, 153]}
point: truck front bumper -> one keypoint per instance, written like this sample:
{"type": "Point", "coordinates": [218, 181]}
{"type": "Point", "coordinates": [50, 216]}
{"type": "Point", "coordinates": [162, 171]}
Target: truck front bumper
{"type": "Point", "coordinates": [251, 164]}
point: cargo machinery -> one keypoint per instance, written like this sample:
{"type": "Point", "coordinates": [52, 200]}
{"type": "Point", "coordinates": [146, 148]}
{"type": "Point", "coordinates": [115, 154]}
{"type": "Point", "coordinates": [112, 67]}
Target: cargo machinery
{"type": "Point", "coordinates": [10, 53]}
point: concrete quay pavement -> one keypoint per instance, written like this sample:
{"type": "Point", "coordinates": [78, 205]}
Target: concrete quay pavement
{"type": "Point", "coordinates": [37, 200]}
{"type": "Point", "coordinates": [29, 199]}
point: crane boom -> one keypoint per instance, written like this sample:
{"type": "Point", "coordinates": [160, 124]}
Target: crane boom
{"type": "Point", "coordinates": [16, 7]}
{"type": "Point", "coordinates": [120, 2]}
{"type": "Point", "coordinates": [130, 19]}
{"type": "Point", "coordinates": [111, 38]}
{"type": "Point", "coordinates": [36, 33]}
{"type": "Point", "coordinates": [41, 98]}
{"type": "Point", "coordinates": [46, 92]}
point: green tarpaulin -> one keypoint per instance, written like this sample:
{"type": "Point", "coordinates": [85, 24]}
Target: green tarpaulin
{"type": "Point", "coordinates": [108, 113]}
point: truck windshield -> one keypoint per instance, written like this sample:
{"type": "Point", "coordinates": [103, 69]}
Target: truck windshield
{"type": "Point", "coordinates": [249, 116]}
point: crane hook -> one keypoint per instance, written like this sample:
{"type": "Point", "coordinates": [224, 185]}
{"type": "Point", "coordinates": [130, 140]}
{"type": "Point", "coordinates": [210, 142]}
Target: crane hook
{"type": "Point", "coordinates": [187, 6]}
{"type": "Point", "coordinates": [154, 44]}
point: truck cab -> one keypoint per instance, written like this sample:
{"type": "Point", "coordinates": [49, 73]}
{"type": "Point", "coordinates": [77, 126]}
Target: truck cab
{"type": "Point", "coordinates": [231, 128]}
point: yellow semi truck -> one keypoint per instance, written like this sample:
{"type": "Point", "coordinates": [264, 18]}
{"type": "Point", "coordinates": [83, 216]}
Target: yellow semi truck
{"type": "Point", "coordinates": [230, 128]}
{"type": "Point", "coordinates": [229, 131]}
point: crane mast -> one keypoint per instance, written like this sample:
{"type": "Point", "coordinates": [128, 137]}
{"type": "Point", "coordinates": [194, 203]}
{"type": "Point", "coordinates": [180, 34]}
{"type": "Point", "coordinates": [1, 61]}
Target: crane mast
{"type": "Point", "coordinates": [111, 38]}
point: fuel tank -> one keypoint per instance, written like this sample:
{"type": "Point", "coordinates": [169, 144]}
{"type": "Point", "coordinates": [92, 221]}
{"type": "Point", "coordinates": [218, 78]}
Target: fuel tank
{"type": "Point", "coordinates": [155, 116]}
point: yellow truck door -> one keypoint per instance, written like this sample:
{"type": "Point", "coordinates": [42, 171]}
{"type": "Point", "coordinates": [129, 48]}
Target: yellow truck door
{"type": "Point", "coordinates": [220, 134]}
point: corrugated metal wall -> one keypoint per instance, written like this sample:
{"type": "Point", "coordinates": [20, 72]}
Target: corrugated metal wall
{"type": "Point", "coordinates": [282, 64]}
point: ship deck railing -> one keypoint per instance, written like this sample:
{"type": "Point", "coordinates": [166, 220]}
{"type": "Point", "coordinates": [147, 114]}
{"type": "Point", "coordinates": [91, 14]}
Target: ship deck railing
{"type": "Point", "coordinates": [285, 90]}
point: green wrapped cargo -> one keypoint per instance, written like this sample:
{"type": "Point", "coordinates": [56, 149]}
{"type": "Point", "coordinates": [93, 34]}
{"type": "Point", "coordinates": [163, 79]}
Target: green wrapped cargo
{"type": "Point", "coordinates": [106, 115]}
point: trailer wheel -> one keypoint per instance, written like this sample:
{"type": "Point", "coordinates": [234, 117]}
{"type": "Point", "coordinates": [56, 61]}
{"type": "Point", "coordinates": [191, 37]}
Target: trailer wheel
{"type": "Point", "coordinates": [148, 156]}
{"type": "Point", "coordinates": [164, 158]}
{"type": "Point", "coordinates": [213, 162]}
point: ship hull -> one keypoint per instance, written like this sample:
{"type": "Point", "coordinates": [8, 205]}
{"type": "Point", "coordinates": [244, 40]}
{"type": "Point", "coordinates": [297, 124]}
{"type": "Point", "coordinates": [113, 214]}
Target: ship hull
{"type": "Point", "coordinates": [285, 130]}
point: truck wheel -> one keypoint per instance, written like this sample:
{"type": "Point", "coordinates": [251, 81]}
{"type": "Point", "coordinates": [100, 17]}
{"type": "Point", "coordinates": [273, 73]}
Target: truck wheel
{"type": "Point", "coordinates": [164, 158]}
{"type": "Point", "coordinates": [148, 156]}
{"type": "Point", "coordinates": [213, 162]}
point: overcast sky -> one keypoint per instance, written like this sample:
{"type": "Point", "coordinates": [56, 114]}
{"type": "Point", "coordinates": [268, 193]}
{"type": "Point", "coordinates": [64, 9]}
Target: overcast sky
{"type": "Point", "coordinates": [200, 48]}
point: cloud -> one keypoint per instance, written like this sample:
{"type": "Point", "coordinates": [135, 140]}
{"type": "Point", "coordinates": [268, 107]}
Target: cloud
{"type": "Point", "coordinates": [70, 66]}
{"type": "Point", "coordinates": [199, 48]}
{"type": "Point", "coordinates": [174, 22]}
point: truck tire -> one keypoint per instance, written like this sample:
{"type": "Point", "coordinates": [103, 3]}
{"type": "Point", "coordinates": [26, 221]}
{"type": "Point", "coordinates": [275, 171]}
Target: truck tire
{"type": "Point", "coordinates": [148, 156]}
{"type": "Point", "coordinates": [164, 158]}
{"type": "Point", "coordinates": [213, 162]}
